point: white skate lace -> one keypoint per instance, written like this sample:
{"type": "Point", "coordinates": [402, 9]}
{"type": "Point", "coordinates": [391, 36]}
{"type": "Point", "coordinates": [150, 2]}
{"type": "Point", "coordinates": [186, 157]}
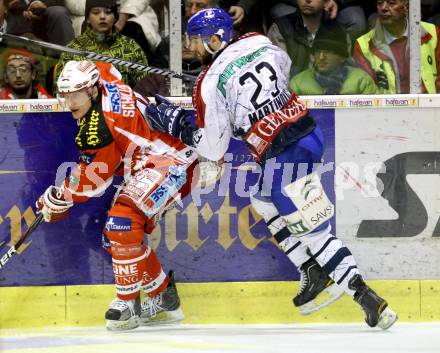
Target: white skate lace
{"type": "Point", "coordinates": [122, 305]}
{"type": "Point", "coordinates": [304, 281]}
{"type": "Point", "coordinates": [153, 305]}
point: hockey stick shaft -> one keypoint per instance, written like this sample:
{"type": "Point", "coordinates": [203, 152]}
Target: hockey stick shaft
{"type": "Point", "coordinates": [97, 57]}
{"type": "Point", "coordinates": [13, 250]}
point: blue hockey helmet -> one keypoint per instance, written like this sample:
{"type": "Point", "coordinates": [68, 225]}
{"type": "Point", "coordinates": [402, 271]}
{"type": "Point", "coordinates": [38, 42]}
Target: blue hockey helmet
{"type": "Point", "coordinates": [208, 22]}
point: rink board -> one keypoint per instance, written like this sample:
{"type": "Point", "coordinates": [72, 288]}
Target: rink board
{"type": "Point", "coordinates": [208, 303]}
{"type": "Point", "coordinates": [213, 236]}
{"type": "Point", "coordinates": [381, 170]}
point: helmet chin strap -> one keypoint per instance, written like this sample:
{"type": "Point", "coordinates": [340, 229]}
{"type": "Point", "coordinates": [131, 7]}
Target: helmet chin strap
{"type": "Point", "coordinates": [210, 50]}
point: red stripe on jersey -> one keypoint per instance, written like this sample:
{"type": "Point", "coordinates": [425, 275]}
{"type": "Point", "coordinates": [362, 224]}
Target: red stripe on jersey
{"type": "Point", "coordinates": [197, 100]}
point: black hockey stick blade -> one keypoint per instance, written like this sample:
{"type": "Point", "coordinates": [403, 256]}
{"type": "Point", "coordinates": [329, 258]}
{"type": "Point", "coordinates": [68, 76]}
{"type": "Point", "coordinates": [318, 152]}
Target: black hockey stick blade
{"type": "Point", "coordinates": [49, 48]}
{"type": "Point", "coordinates": [13, 250]}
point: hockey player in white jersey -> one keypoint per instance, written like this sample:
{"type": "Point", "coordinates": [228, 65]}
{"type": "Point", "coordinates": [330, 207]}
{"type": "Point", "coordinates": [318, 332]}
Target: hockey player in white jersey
{"type": "Point", "coordinates": [242, 93]}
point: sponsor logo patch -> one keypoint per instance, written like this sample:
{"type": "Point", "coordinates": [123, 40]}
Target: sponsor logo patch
{"type": "Point", "coordinates": [118, 224]}
{"type": "Point", "coordinates": [298, 228]}
{"type": "Point", "coordinates": [115, 97]}
{"type": "Point", "coordinates": [167, 189]}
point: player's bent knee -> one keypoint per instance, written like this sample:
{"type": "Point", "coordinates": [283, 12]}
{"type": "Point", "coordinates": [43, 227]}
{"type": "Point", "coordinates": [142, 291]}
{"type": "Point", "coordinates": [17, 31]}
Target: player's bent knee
{"type": "Point", "coordinates": [272, 218]}
{"type": "Point", "coordinates": [313, 206]}
{"type": "Point", "coordinates": [265, 209]}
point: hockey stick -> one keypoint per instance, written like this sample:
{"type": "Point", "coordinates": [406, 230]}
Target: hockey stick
{"type": "Point", "coordinates": [13, 250]}
{"type": "Point", "coordinates": [26, 42]}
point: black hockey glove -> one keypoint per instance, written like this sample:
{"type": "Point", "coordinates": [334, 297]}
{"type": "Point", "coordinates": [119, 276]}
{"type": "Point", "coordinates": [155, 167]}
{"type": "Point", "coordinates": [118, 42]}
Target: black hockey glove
{"type": "Point", "coordinates": [166, 117]}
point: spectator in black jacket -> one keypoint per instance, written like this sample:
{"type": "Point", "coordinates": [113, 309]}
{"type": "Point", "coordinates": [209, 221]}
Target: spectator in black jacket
{"type": "Point", "coordinates": [348, 13]}
{"type": "Point", "coordinates": [295, 33]}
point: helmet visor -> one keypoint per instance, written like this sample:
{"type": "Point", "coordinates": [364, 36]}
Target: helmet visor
{"type": "Point", "coordinates": [74, 100]}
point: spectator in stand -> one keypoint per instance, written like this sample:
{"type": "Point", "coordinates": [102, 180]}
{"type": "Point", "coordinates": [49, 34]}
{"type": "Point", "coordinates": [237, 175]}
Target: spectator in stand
{"type": "Point", "coordinates": [20, 72]}
{"type": "Point", "coordinates": [194, 6]}
{"type": "Point", "coordinates": [3, 11]}
{"type": "Point", "coordinates": [101, 37]}
{"type": "Point", "coordinates": [351, 16]}
{"type": "Point", "coordinates": [331, 72]}
{"type": "Point", "coordinates": [137, 20]}
{"type": "Point", "coordinates": [431, 11]}
{"type": "Point", "coordinates": [295, 33]}
{"type": "Point", "coordinates": [246, 14]}
{"type": "Point", "coordinates": [50, 21]}
{"type": "Point", "coordinates": [348, 13]}
{"type": "Point", "coordinates": [17, 24]}
{"type": "Point", "coordinates": [384, 51]}
{"type": "Point", "coordinates": [159, 84]}
{"type": "Point", "coordinates": [76, 9]}
{"type": "Point", "coordinates": [191, 65]}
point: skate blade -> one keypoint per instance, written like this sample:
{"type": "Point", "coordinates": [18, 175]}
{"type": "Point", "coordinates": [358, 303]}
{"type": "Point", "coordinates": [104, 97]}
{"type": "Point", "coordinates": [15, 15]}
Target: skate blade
{"type": "Point", "coordinates": [325, 298]}
{"type": "Point", "coordinates": [387, 319]}
{"type": "Point", "coordinates": [164, 318]}
{"type": "Point", "coordinates": [130, 324]}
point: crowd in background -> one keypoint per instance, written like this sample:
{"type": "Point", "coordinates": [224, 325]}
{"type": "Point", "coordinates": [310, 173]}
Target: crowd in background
{"type": "Point", "coordinates": [336, 46]}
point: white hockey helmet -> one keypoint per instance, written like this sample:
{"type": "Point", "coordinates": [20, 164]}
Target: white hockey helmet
{"type": "Point", "coordinates": [77, 75]}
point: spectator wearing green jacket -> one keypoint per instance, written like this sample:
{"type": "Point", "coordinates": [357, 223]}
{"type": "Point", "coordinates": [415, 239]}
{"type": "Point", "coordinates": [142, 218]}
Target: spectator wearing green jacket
{"type": "Point", "coordinates": [100, 36]}
{"type": "Point", "coordinates": [331, 72]}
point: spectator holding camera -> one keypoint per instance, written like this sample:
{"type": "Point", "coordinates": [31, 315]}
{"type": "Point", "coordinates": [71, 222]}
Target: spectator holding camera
{"type": "Point", "coordinates": [20, 72]}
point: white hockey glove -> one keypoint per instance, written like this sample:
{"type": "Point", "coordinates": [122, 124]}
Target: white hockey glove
{"type": "Point", "coordinates": [52, 205]}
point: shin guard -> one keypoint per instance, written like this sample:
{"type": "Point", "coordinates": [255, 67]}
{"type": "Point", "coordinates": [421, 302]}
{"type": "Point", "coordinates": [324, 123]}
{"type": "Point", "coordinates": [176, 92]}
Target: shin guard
{"type": "Point", "coordinates": [135, 265]}
{"type": "Point", "coordinates": [154, 279]}
{"type": "Point", "coordinates": [129, 264]}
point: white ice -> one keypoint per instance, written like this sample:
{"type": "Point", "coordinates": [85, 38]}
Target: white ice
{"type": "Point", "coordinates": [304, 338]}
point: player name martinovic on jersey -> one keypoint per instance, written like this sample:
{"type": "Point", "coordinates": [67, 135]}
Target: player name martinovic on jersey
{"type": "Point", "coordinates": [269, 107]}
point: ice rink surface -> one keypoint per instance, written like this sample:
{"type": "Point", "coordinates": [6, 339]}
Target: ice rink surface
{"type": "Point", "coordinates": [304, 338]}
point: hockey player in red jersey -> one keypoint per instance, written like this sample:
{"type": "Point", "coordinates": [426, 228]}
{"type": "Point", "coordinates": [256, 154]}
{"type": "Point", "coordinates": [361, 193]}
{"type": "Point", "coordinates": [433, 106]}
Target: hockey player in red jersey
{"type": "Point", "coordinates": [114, 138]}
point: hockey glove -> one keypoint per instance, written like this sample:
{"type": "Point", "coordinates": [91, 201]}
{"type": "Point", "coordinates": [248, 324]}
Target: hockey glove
{"type": "Point", "coordinates": [52, 205]}
{"type": "Point", "coordinates": [166, 117]}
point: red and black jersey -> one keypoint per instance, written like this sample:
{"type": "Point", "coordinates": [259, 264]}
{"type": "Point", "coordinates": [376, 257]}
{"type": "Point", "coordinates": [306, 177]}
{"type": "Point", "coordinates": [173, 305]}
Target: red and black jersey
{"type": "Point", "coordinates": [114, 131]}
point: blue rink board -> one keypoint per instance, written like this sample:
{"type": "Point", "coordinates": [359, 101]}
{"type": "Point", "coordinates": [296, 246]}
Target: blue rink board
{"type": "Point", "coordinates": [229, 246]}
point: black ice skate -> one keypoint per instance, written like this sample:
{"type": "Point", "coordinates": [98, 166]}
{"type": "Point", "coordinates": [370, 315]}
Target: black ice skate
{"type": "Point", "coordinates": [123, 314]}
{"type": "Point", "coordinates": [164, 308]}
{"type": "Point", "coordinates": [377, 312]}
{"type": "Point", "coordinates": [317, 289]}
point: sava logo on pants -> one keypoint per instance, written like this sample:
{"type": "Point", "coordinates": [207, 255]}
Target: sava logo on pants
{"type": "Point", "coordinates": [167, 189]}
